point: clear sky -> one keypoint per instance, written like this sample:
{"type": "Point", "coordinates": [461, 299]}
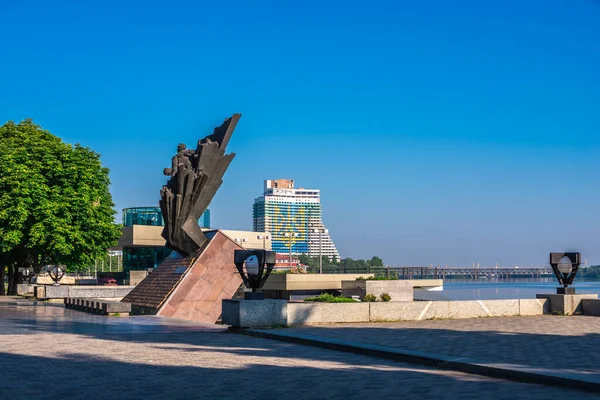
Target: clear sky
{"type": "Point", "coordinates": [442, 132]}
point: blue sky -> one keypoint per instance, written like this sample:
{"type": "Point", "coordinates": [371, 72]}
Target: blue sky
{"type": "Point", "coordinates": [438, 132]}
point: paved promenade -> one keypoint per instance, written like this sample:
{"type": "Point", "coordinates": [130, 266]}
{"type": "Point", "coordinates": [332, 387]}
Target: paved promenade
{"type": "Point", "coordinates": [553, 345]}
{"type": "Point", "coordinates": [50, 353]}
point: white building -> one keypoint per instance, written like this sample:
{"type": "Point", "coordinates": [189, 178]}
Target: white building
{"type": "Point", "coordinates": [294, 219]}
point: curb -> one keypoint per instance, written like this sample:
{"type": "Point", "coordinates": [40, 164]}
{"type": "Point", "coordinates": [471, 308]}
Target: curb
{"type": "Point", "coordinates": [518, 373]}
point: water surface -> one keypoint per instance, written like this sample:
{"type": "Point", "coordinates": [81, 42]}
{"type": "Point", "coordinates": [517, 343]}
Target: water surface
{"type": "Point", "coordinates": [497, 289]}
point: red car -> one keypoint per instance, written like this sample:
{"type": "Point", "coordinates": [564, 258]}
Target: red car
{"type": "Point", "coordinates": [108, 281]}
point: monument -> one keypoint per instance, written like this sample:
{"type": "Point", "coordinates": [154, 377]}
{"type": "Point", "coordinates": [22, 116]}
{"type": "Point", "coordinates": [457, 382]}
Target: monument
{"type": "Point", "coordinates": [194, 178]}
{"type": "Point", "coordinates": [566, 301]}
{"type": "Point", "coordinates": [191, 283]}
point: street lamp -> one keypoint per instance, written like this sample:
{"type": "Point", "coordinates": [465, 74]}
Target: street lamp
{"type": "Point", "coordinates": [291, 235]}
{"type": "Point", "coordinates": [565, 267]}
{"type": "Point", "coordinates": [264, 238]}
{"type": "Point", "coordinates": [321, 232]}
{"type": "Point", "coordinates": [255, 274]}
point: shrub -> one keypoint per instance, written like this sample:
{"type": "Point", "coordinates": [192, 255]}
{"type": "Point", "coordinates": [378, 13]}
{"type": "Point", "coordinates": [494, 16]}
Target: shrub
{"type": "Point", "coordinates": [385, 297]}
{"type": "Point", "coordinates": [329, 298]}
{"type": "Point", "coordinates": [369, 297]}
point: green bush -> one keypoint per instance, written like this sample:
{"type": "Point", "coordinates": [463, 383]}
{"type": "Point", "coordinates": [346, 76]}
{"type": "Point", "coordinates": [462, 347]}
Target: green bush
{"type": "Point", "coordinates": [385, 297]}
{"type": "Point", "coordinates": [369, 298]}
{"type": "Point", "coordinates": [329, 298]}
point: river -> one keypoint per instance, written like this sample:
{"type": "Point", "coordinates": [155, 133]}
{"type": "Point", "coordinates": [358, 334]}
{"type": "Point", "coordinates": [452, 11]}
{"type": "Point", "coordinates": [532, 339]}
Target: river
{"type": "Point", "coordinates": [491, 289]}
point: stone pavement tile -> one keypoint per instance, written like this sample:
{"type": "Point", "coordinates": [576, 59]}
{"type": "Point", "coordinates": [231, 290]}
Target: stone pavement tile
{"type": "Point", "coordinates": [553, 342]}
{"type": "Point", "coordinates": [64, 354]}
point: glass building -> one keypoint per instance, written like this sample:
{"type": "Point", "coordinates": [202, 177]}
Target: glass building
{"type": "Point", "coordinates": [152, 216]}
{"type": "Point", "coordinates": [294, 219]}
{"type": "Point", "coordinates": [142, 216]}
{"type": "Point", "coordinates": [143, 257]}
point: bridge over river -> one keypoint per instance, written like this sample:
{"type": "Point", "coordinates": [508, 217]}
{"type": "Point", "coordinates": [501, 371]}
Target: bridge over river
{"type": "Point", "coordinates": [432, 272]}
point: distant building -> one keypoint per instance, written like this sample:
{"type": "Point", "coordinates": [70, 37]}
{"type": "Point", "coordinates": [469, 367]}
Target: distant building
{"type": "Point", "coordinates": [144, 248]}
{"type": "Point", "coordinates": [294, 219]}
{"type": "Point", "coordinates": [152, 216]}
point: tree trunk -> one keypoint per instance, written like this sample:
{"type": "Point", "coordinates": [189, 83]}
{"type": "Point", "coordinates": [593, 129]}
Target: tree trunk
{"type": "Point", "coordinates": [12, 280]}
{"type": "Point", "coordinates": [2, 288]}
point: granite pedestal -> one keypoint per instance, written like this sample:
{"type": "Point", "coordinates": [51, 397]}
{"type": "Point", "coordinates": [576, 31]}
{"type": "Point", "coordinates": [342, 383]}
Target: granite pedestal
{"type": "Point", "coordinates": [190, 288]}
{"type": "Point", "coordinates": [566, 304]}
{"type": "Point", "coordinates": [254, 313]}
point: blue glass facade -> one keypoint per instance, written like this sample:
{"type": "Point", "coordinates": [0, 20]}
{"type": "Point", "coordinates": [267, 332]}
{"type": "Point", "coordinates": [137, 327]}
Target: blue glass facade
{"type": "Point", "coordinates": [287, 222]}
{"type": "Point", "coordinates": [142, 216]}
{"type": "Point", "coordinates": [153, 216]}
{"type": "Point", "coordinates": [148, 257]}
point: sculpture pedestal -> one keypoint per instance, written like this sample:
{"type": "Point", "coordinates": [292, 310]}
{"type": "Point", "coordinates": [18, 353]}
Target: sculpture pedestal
{"type": "Point", "coordinates": [565, 290]}
{"type": "Point", "coordinates": [254, 313]}
{"type": "Point", "coordinates": [254, 296]}
{"type": "Point", "coordinates": [566, 304]}
{"type": "Point", "coordinates": [190, 288]}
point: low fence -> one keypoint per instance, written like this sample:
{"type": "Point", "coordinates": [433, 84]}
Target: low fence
{"type": "Point", "coordinates": [247, 314]}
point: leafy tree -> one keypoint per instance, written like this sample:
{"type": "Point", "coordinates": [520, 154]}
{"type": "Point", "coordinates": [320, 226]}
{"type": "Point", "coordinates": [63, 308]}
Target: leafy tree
{"type": "Point", "coordinates": [376, 262]}
{"type": "Point", "coordinates": [310, 261]}
{"type": "Point", "coordinates": [55, 204]}
{"type": "Point", "coordinates": [346, 263]}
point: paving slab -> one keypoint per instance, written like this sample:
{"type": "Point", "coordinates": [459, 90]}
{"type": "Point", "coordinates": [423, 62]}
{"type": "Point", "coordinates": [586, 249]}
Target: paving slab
{"type": "Point", "coordinates": [65, 354]}
{"type": "Point", "coordinates": [547, 349]}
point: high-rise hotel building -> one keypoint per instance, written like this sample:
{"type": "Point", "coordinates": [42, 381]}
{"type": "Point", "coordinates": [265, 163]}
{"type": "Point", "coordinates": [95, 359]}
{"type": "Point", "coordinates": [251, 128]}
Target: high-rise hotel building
{"type": "Point", "coordinates": [294, 218]}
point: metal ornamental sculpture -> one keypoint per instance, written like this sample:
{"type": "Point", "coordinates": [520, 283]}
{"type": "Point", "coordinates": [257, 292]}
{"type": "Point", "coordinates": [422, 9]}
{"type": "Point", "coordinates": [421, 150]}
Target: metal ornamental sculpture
{"type": "Point", "coordinates": [258, 265]}
{"type": "Point", "coordinates": [565, 271]}
{"type": "Point", "coordinates": [195, 177]}
{"type": "Point", "coordinates": [56, 273]}
{"type": "Point", "coordinates": [25, 274]}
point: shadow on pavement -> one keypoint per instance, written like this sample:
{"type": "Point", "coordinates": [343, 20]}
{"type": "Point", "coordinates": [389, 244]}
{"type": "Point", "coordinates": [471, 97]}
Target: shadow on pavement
{"type": "Point", "coordinates": [55, 354]}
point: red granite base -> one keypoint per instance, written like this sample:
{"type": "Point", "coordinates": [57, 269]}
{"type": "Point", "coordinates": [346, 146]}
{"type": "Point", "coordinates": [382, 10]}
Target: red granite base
{"type": "Point", "coordinates": [191, 288]}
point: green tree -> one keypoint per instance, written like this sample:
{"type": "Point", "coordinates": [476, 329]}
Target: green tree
{"type": "Point", "coordinates": [309, 261]}
{"type": "Point", "coordinates": [55, 204]}
{"type": "Point", "coordinates": [376, 262]}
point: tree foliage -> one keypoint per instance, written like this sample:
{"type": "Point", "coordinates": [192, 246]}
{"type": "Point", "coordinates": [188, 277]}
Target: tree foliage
{"type": "Point", "coordinates": [55, 204]}
{"type": "Point", "coordinates": [313, 262]}
{"type": "Point", "coordinates": [591, 272]}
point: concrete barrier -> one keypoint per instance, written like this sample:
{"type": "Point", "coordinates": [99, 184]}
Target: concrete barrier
{"type": "Point", "coordinates": [590, 307]}
{"type": "Point", "coordinates": [422, 310]}
{"type": "Point", "coordinates": [534, 306]}
{"type": "Point", "coordinates": [397, 289]}
{"type": "Point", "coordinates": [97, 306]}
{"type": "Point", "coordinates": [398, 311]}
{"type": "Point", "coordinates": [248, 313]}
{"type": "Point", "coordinates": [566, 304]}
{"type": "Point", "coordinates": [84, 291]}
{"type": "Point", "coordinates": [326, 313]}
{"type": "Point", "coordinates": [25, 288]}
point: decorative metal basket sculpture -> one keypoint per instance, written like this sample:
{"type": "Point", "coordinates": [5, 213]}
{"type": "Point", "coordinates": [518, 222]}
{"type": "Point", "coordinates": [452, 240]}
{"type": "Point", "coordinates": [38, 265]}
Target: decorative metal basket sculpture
{"type": "Point", "coordinates": [564, 270]}
{"type": "Point", "coordinates": [254, 266]}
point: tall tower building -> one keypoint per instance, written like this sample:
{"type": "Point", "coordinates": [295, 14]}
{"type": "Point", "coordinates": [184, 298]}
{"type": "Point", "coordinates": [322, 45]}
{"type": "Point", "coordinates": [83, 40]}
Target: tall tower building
{"type": "Point", "coordinates": [294, 219]}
